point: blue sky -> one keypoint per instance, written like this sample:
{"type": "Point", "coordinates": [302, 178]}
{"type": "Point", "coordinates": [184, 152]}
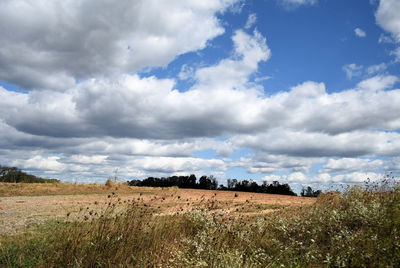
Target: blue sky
{"type": "Point", "coordinates": [300, 91]}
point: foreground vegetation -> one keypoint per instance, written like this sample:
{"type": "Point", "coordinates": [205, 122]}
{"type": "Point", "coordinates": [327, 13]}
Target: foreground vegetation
{"type": "Point", "coordinates": [358, 228]}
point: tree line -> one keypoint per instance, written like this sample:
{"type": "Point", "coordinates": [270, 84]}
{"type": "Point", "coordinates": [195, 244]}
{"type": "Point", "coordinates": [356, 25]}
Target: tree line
{"type": "Point", "coordinates": [211, 183]}
{"type": "Point", "coordinates": [13, 174]}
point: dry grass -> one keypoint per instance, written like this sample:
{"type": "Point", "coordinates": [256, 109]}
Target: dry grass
{"type": "Point", "coordinates": [121, 226]}
{"type": "Point", "coordinates": [42, 189]}
{"type": "Point", "coordinates": [148, 228]}
{"type": "Point", "coordinates": [25, 206]}
{"type": "Point", "coordinates": [356, 229]}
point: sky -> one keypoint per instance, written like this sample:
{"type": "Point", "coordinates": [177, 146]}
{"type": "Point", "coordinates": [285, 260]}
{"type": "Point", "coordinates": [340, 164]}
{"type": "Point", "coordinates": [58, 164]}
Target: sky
{"type": "Point", "coordinates": [306, 92]}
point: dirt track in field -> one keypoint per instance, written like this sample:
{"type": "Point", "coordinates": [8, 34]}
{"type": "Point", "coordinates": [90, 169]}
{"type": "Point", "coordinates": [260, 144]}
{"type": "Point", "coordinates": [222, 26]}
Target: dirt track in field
{"type": "Point", "coordinates": [19, 212]}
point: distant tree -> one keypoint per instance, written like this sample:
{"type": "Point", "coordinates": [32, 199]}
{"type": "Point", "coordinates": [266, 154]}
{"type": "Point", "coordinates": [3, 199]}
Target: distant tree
{"type": "Point", "coordinates": [263, 187]}
{"type": "Point", "coordinates": [203, 182]}
{"type": "Point", "coordinates": [208, 183]}
{"type": "Point", "coordinates": [222, 187]}
{"type": "Point", "coordinates": [192, 181]}
{"type": "Point", "coordinates": [277, 188]}
{"type": "Point", "coordinates": [254, 187]}
{"type": "Point", "coordinates": [309, 192]}
{"type": "Point", "coordinates": [135, 183]}
{"type": "Point", "coordinates": [242, 186]}
{"type": "Point", "coordinates": [211, 183]}
{"type": "Point", "coordinates": [13, 174]}
{"type": "Point", "coordinates": [232, 183]}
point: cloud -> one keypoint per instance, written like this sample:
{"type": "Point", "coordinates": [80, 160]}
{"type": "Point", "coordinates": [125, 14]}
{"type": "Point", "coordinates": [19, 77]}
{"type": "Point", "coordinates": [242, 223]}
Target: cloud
{"type": "Point", "coordinates": [388, 17]}
{"type": "Point", "coordinates": [396, 53]}
{"type": "Point", "coordinates": [88, 159]}
{"type": "Point", "coordinates": [149, 108]}
{"type": "Point", "coordinates": [49, 164]}
{"type": "Point", "coordinates": [378, 83]}
{"type": "Point", "coordinates": [89, 166]}
{"type": "Point", "coordinates": [303, 144]}
{"type": "Point", "coordinates": [53, 44]}
{"type": "Point", "coordinates": [84, 123]}
{"type": "Point", "coordinates": [170, 165]}
{"type": "Point", "coordinates": [297, 177]}
{"type": "Point", "coordinates": [263, 78]}
{"type": "Point", "coordinates": [249, 50]}
{"type": "Point", "coordinates": [146, 134]}
{"type": "Point", "coordinates": [392, 165]}
{"type": "Point", "coordinates": [296, 3]}
{"type": "Point", "coordinates": [186, 72]}
{"type": "Point", "coordinates": [349, 165]}
{"type": "Point", "coordinates": [301, 179]}
{"type": "Point", "coordinates": [145, 107]}
{"type": "Point", "coordinates": [385, 39]}
{"type": "Point", "coordinates": [264, 162]}
{"type": "Point", "coordinates": [325, 179]}
{"type": "Point", "coordinates": [357, 177]}
{"type": "Point", "coordinates": [250, 21]}
{"type": "Point", "coordinates": [98, 157]}
{"type": "Point", "coordinates": [377, 68]}
{"type": "Point", "coordinates": [360, 33]}
{"type": "Point", "coordinates": [271, 178]}
{"type": "Point", "coordinates": [352, 70]}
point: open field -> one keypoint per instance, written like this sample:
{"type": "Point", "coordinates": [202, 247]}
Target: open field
{"type": "Point", "coordinates": [121, 226]}
{"type": "Point", "coordinates": [49, 201]}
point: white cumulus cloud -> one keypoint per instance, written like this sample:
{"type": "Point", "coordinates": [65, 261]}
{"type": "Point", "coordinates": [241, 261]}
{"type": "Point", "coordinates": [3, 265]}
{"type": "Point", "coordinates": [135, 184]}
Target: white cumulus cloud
{"type": "Point", "coordinates": [52, 44]}
{"type": "Point", "coordinates": [360, 33]}
{"type": "Point", "coordinates": [250, 21]}
{"type": "Point", "coordinates": [352, 70]}
{"type": "Point", "coordinates": [388, 17]}
{"type": "Point", "coordinates": [296, 3]}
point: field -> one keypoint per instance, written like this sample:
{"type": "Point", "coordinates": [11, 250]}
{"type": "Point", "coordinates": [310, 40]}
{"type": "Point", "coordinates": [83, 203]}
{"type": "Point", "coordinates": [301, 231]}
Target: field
{"type": "Point", "coordinates": [45, 225]}
{"type": "Point", "coordinates": [22, 205]}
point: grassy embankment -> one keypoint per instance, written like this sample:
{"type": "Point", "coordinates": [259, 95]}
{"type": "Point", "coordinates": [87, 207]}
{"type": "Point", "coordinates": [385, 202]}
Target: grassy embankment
{"type": "Point", "coordinates": [359, 228]}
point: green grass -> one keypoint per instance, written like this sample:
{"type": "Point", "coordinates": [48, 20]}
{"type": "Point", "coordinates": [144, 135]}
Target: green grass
{"type": "Point", "coordinates": [359, 228]}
